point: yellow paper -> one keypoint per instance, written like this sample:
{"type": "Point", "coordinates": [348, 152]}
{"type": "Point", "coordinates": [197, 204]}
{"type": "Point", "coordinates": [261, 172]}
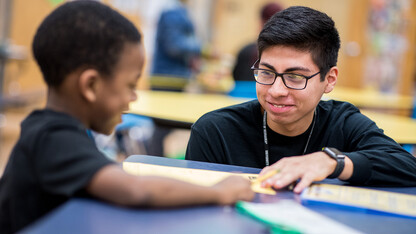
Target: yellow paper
{"type": "Point", "coordinates": [390, 202]}
{"type": "Point", "coordinates": [194, 176]}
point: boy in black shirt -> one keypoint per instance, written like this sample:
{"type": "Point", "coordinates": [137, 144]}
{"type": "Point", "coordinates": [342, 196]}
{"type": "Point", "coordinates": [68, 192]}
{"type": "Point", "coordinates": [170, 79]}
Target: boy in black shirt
{"type": "Point", "coordinates": [91, 58]}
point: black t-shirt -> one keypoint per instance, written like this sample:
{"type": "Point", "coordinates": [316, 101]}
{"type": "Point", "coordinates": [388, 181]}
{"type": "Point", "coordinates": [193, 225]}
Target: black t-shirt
{"type": "Point", "coordinates": [234, 136]}
{"type": "Point", "coordinates": [53, 160]}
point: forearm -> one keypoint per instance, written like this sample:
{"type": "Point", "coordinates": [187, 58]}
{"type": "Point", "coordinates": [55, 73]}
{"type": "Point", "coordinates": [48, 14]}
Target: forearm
{"type": "Point", "coordinates": [116, 186]}
{"type": "Point", "coordinates": [112, 184]}
{"type": "Point", "coordinates": [165, 192]}
{"type": "Point", "coordinates": [377, 159]}
{"type": "Point", "coordinates": [383, 167]}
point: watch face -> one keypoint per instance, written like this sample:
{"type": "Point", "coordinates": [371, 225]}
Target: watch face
{"type": "Point", "coordinates": [331, 153]}
{"type": "Point", "coordinates": [338, 154]}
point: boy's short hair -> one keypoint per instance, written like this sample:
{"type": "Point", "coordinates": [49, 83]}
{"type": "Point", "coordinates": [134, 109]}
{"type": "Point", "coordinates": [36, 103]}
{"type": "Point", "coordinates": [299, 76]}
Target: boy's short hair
{"type": "Point", "coordinates": [81, 34]}
{"type": "Point", "coordinates": [305, 29]}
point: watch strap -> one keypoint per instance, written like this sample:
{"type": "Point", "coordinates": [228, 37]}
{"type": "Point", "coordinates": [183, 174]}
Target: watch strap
{"type": "Point", "coordinates": [339, 157]}
{"type": "Point", "coordinates": [338, 169]}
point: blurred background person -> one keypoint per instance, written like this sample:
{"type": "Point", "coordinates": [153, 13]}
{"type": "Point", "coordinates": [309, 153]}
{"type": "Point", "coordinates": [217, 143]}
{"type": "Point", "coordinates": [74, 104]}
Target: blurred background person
{"type": "Point", "coordinates": [248, 54]}
{"type": "Point", "coordinates": [176, 59]}
{"type": "Point", "coordinates": [177, 52]}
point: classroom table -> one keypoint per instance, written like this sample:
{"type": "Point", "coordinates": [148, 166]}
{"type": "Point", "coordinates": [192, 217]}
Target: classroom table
{"type": "Point", "coordinates": [181, 110]}
{"type": "Point", "coordinates": [372, 99]}
{"type": "Point", "coordinates": [90, 216]}
{"type": "Point", "coordinates": [178, 109]}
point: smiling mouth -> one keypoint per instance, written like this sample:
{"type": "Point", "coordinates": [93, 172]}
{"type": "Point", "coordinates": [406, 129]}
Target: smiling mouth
{"type": "Point", "coordinates": [279, 106]}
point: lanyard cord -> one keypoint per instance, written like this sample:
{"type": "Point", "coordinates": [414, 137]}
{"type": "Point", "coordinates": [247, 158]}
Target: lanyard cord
{"type": "Point", "coordinates": [266, 143]}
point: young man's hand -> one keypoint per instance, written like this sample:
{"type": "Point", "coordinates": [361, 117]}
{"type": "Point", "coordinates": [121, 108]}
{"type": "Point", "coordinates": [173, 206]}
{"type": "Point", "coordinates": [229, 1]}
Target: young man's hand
{"type": "Point", "coordinates": [232, 189]}
{"type": "Point", "coordinates": [308, 168]}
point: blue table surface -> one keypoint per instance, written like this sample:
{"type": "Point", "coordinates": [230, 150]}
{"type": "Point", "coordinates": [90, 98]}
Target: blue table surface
{"type": "Point", "coordinates": [91, 216]}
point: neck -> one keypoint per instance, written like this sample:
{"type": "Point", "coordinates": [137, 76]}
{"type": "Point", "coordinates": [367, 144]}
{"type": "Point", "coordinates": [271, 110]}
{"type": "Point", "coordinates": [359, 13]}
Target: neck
{"type": "Point", "coordinates": [70, 106]}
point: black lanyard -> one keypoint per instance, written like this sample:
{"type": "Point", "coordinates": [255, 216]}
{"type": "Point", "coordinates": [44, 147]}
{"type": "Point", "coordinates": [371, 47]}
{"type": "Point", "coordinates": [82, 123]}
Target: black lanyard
{"type": "Point", "coordinates": [266, 142]}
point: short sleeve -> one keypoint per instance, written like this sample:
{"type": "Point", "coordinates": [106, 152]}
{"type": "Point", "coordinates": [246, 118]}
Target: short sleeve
{"type": "Point", "coordinates": [66, 160]}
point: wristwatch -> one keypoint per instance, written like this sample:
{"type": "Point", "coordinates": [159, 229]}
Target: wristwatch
{"type": "Point", "coordinates": [339, 157]}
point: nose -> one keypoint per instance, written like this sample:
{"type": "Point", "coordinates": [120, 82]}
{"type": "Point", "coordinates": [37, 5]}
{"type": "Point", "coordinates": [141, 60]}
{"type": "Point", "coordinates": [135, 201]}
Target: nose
{"type": "Point", "coordinates": [278, 88]}
{"type": "Point", "coordinates": [133, 96]}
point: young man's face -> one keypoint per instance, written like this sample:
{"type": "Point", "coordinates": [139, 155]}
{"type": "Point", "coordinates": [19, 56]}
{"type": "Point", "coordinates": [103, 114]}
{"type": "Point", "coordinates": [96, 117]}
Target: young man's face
{"type": "Point", "coordinates": [117, 92]}
{"type": "Point", "coordinates": [289, 111]}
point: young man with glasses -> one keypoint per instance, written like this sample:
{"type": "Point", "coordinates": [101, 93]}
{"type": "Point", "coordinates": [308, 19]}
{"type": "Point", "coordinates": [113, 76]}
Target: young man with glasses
{"type": "Point", "coordinates": [288, 128]}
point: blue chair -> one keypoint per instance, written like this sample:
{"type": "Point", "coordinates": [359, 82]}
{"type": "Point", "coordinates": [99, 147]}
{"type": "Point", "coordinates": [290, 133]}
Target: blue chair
{"type": "Point", "coordinates": [244, 89]}
{"type": "Point", "coordinates": [133, 135]}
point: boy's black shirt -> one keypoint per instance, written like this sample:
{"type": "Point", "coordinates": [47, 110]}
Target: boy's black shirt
{"type": "Point", "coordinates": [53, 160]}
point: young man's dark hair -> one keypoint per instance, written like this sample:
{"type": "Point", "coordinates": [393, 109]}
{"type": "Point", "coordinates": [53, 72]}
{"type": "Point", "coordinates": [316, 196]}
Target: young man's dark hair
{"type": "Point", "coordinates": [82, 36]}
{"type": "Point", "coordinates": [316, 34]}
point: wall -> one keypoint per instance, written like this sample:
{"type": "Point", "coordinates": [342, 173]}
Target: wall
{"type": "Point", "coordinates": [236, 23]}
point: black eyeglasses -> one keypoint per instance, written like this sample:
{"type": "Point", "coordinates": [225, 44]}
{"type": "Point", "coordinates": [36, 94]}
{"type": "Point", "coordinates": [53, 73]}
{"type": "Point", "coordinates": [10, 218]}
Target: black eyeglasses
{"type": "Point", "coordinates": [291, 80]}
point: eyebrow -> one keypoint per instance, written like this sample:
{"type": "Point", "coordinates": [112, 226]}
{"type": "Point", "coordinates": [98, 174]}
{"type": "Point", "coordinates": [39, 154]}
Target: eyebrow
{"type": "Point", "coordinates": [291, 69]}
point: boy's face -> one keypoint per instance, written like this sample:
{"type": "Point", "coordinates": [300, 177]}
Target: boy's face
{"type": "Point", "coordinates": [118, 91]}
{"type": "Point", "coordinates": [290, 110]}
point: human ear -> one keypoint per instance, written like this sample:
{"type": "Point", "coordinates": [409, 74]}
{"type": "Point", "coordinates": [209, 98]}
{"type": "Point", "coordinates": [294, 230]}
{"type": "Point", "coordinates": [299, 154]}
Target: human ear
{"type": "Point", "coordinates": [88, 84]}
{"type": "Point", "coordinates": [331, 79]}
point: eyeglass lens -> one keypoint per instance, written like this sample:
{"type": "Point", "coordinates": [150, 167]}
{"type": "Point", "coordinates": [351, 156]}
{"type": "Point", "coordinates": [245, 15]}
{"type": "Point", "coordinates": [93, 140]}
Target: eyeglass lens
{"type": "Point", "coordinates": [267, 77]}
